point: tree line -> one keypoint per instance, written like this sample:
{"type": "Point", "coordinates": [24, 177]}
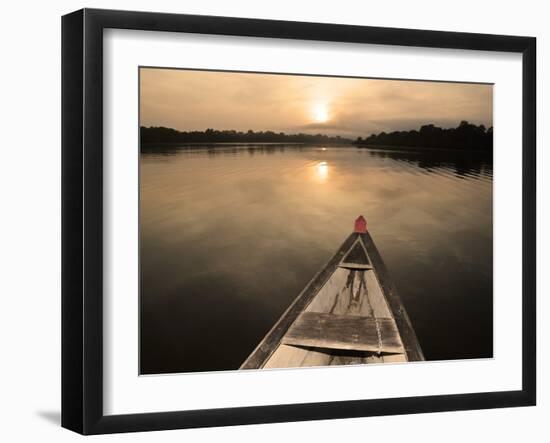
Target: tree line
{"type": "Point", "coordinates": [163, 135]}
{"type": "Point", "coordinates": [464, 136]}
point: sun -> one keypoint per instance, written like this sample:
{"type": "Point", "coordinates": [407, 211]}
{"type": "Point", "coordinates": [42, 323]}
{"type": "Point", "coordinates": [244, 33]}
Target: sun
{"type": "Point", "coordinates": [320, 113]}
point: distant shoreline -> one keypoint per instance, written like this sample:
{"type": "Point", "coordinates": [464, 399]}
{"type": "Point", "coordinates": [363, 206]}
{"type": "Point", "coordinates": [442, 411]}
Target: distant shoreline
{"type": "Point", "coordinates": [465, 137]}
{"type": "Point", "coordinates": [305, 144]}
{"type": "Point", "coordinates": [233, 143]}
{"type": "Point", "coordinates": [421, 148]}
{"type": "Point", "coordinates": [161, 134]}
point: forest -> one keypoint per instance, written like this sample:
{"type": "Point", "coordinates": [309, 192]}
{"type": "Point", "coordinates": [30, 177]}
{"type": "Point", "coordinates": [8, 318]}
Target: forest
{"type": "Point", "coordinates": [162, 135]}
{"type": "Point", "coordinates": [464, 136]}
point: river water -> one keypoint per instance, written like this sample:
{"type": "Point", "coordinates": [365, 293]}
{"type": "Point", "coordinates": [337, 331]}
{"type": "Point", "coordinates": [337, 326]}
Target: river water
{"type": "Point", "coordinates": [231, 235]}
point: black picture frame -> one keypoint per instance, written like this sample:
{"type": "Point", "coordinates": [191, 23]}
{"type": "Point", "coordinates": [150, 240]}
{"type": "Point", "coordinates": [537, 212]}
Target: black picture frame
{"type": "Point", "coordinates": [82, 220]}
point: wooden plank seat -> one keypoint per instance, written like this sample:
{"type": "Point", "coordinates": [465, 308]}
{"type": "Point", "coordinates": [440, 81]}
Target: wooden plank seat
{"type": "Point", "coordinates": [355, 266]}
{"type": "Point", "coordinates": [346, 332]}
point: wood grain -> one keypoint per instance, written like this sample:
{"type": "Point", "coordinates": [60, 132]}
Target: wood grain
{"type": "Point", "coordinates": [354, 333]}
{"type": "Point", "coordinates": [333, 321]}
{"type": "Point", "coordinates": [273, 338]}
{"type": "Point", "coordinates": [413, 351]}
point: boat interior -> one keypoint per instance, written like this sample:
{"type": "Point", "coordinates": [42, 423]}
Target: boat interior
{"type": "Point", "coordinates": [347, 322]}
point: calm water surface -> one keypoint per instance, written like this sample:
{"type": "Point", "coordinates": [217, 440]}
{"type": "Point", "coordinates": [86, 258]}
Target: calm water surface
{"type": "Point", "coordinates": [230, 236]}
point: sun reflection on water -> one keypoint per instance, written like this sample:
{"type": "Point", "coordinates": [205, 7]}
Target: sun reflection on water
{"type": "Point", "coordinates": [321, 169]}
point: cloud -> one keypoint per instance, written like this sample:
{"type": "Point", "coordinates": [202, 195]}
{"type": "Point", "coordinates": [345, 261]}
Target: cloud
{"type": "Point", "coordinates": [322, 127]}
{"type": "Point", "coordinates": [196, 100]}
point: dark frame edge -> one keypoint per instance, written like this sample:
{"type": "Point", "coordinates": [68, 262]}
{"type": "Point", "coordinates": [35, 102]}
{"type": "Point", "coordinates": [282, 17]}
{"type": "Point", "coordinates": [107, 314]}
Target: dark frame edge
{"type": "Point", "coordinates": [294, 30]}
{"type": "Point", "coordinates": [82, 223]}
{"type": "Point", "coordinates": [308, 411]}
{"type": "Point", "coordinates": [72, 221]}
{"type": "Point", "coordinates": [529, 220]}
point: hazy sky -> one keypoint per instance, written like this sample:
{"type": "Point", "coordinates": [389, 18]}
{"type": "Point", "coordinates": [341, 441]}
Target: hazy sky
{"type": "Point", "coordinates": [197, 100]}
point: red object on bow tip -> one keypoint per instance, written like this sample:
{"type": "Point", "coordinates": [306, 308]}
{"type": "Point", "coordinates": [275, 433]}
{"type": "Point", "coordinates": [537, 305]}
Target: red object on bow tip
{"type": "Point", "coordinates": [361, 225]}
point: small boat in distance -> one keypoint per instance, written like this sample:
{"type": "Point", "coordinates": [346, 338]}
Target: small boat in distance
{"type": "Point", "coordinates": [349, 313]}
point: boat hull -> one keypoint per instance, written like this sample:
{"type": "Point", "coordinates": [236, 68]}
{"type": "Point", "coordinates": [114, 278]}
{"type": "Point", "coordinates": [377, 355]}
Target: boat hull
{"type": "Point", "coordinates": [349, 313]}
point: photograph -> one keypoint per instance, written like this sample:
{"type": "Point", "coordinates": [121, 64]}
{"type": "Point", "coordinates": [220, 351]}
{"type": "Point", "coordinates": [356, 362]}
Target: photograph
{"type": "Point", "coordinates": [299, 220]}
